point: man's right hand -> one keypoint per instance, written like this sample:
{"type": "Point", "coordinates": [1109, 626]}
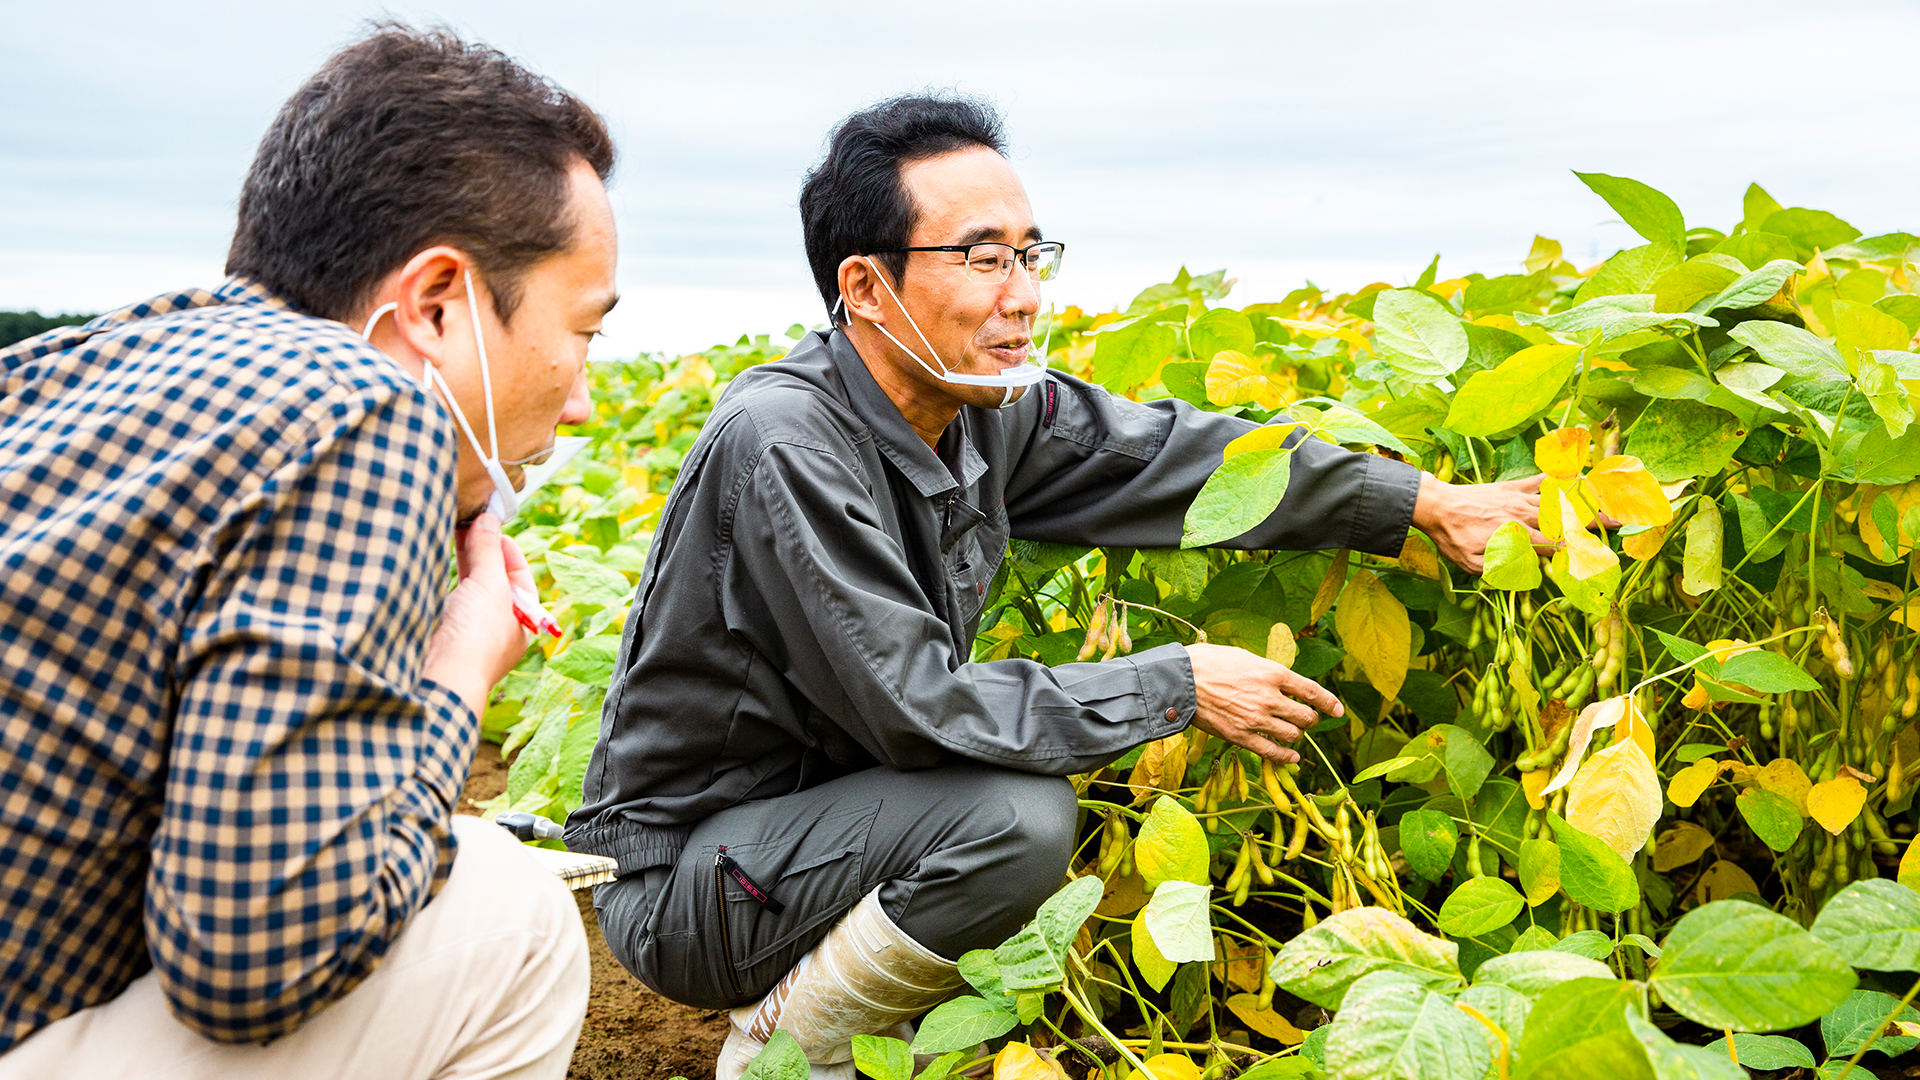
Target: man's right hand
{"type": "Point", "coordinates": [1253, 702]}
{"type": "Point", "coordinates": [479, 640]}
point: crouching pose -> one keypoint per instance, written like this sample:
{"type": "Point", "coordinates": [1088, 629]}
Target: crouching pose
{"type": "Point", "coordinates": [817, 801]}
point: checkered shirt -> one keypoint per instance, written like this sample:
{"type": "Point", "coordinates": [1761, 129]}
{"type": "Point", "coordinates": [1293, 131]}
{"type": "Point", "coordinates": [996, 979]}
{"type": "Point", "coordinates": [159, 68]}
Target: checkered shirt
{"type": "Point", "coordinates": [223, 546]}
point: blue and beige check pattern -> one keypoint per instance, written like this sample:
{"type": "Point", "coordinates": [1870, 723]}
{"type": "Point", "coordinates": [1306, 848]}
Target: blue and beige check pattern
{"type": "Point", "coordinates": [223, 543]}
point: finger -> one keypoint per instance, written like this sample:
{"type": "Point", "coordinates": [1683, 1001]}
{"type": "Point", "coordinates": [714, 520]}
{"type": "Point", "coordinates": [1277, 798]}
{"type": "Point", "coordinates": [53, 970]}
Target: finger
{"type": "Point", "coordinates": [482, 553]}
{"type": "Point", "coordinates": [460, 550]}
{"type": "Point", "coordinates": [1293, 712]}
{"type": "Point", "coordinates": [516, 565]}
{"type": "Point", "coordinates": [1301, 688]}
{"type": "Point", "coordinates": [1268, 749]}
{"type": "Point", "coordinates": [1280, 731]}
{"type": "Point", "coordinates": [1529, 484]}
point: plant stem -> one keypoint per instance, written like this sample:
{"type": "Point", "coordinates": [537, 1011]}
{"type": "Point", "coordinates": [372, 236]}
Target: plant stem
{"type": "Point", "coordinates": [1878, 1031]}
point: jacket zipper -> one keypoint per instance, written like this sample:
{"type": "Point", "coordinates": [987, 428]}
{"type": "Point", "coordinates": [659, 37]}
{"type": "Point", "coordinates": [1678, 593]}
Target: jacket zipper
{"type": "Point", "coordinates": [726, 935]}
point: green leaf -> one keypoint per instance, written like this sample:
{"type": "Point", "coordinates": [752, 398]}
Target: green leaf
{"type": "Point", "coordinates": [1702, 562]}
{"type": "Point", "coordinates": [882, 1058]}
{"type": "Point", "coordinates": [1679, 440]}
{"type": "Point", "coordinates": [1539, 870]}
{"type": "Point", "coordinates": [942, 1067]}
{"type": "Point", "coordinates": [1672, 1061]}
{"type": "Point", "coordinates": [1646, 211]}
{"type": "Point", "coordinates": [780, 1059]}
{"type": "Point", "coordinates": [1754, 527]}
{"type": "Point", "coordinates": [1852, 1022]}
{"type": "Point", "coordinates": [588, 582]}
{"type": "Point", "coordinates": [1873, 924]}
{"type": "Point", "coordinates": [1755, 286]}
{"type": "Point", "coordinates": [1511, 562]}
{"type": "Point", "coordinates": [1393, 1028]}
{"type": "Point", "coordinates": [1343, 425]}
{"type": "Point", "coordinates": [1170, 847]}
{"type": "Point", "coordinates": [587, 661]}
{"type": "Point", "coordinates": [1772, 817]}
{"type": "Point", "coordinates": [1613, 316]}
{"type": "Point", "coordinates": [1686, 652]}
{"type": "Point", "coordinates": [1428, 838]}
{"type": "Point", "coordinates": [960, 1024]}
{"type": "Point", "coordinates": [1637, 271]}
{"type": "Point", "coordinates": [1420, 335]}
{"type": "Point", "coordinates": [1533, 937]}
{"type": "Point", "coordinates": [1768, 672]}
{"type": "Point", "coordinates": [1533, 973]}
{"type": "Point", "coordinates": [1578, 1029]}
{"type": "Point", "coordinates": [1591, 873]}
{"type": "Point", "coordinates": [1243, 492]}
{"type": "Point", "coordinates": [1731, 964]}
{"type": "Point", "coordinates": [1591, 944]}
{"type": "Point", "coordinates": [1810, 230]}
{"type": "Point", "coordinates": [1524, 385]}
{"type": "Point", "coordinates": [1318, 965]}
{"type": "Point", "coordinates": [1177, 918]}
{"type": "Point", "coordinates": [1185, 571]}
{"type": "Point", "coordinates": [1219, 329]}
{"type": "Point", "coordinates": [1479, 905]}
{"type": "Point", "coordinates": [575, 754]}
{"type": "Point", "coordinates": [1127, 357]}
{"type": "Point", "coordinates": [1035, 958]}
{"type": "Point", "coordinates": [1792, 349]}
{"type": "Point", "coordinates": [1765, 1052]}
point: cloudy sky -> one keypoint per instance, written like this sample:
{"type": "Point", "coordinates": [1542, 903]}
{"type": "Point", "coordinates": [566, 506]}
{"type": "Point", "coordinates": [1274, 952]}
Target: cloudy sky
{"type": "Point", "coordinates": [1337, 142]}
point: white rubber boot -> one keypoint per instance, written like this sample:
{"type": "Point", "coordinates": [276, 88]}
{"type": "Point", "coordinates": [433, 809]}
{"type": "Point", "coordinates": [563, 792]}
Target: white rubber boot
{"type": "Point", "coordinates": [865, 977]}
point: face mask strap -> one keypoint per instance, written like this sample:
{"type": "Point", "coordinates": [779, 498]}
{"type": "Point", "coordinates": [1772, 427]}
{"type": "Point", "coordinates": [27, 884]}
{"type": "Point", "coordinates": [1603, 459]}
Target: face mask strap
{"type": "Point", "coordinates": [486, 378]}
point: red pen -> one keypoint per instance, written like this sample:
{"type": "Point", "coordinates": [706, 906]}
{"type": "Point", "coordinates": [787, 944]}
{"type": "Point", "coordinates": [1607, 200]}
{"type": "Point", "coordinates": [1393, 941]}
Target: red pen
{"type": "Point", "coordinates": [527, 609]}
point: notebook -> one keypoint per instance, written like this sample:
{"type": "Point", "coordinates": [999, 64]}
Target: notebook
{"type": "Point", "coordinates": [577, 870]}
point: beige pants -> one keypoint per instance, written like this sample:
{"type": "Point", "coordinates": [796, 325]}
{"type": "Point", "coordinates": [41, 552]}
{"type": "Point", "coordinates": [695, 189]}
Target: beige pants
{"type": "Point", "coordinates": [489, 980]}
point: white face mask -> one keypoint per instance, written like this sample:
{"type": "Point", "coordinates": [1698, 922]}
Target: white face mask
{"type": "Point", "coordinates": [1028, 373]}
{"type": "Point", "coordinates": [505, 501]}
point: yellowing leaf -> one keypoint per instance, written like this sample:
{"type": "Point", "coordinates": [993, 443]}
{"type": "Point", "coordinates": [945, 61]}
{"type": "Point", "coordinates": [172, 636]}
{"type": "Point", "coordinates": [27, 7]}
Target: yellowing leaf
{"type": "Point", "coordinates": [1267, 1022]}
{"type": "Point", "coordinates": [1722, 881]}
{"type": "Point", "coordinates": [1634, 726]}
{"type": "Point", "coordinates": [1330, 587]}
{"type": "Point", "coordinates": [1265, 437]}
{"type": "Point", "coordinates": [1532, 784]}
{"type": "Point", "coordinates": [1243, 966]}
{"type": "Point", "coordinates": [1600, 714]}
{"type": "Point", "coordinates": [1835, 803]}
{"type": "Point", "coordinates": [1784, 776]}
{"type": "Point", "coordinates": [1166, 1067]}
{"type": "Point", "coordinates": [1909, 872]}
{"type": "Point", "coordinates": [1645, 544]}
{"type": "Point", "coordinates": [1680, 845]}
{"type": "Point", "coordinates": [1615, 798]}
{"type": "Point", "coordinates": [1628, 492]}
{"type": "Point", "coordinates": [1553, 522]}
{"type": "Point", "coordinates": [1373, 626]}
{"type": "Point", "coordinates": [1122, 896]}
{"type": "Point", "coordinates": [1417, 557]}
{"type": "Point", "coordinates": [1018, 1061]}
{"type": "Point", "coordinates": [1162, 766]}
{"type": "Point", "coordinates": [1155, 968]}
{"type": "Point", "coordinates": [1234, 378]}
{"type": "Point", "coordinates": [1688, 784]}
{"type": "Point", "coordinates": [1561, 454]}
{"type": "Point", "coordinates": [1587, 555]}
{"type": "Point", "coordinates": [1282, 649]}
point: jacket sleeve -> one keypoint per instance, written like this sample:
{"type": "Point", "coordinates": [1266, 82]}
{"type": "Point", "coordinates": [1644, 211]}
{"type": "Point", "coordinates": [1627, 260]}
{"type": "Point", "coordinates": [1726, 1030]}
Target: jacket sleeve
{"type": "Point", "coordinates": [817, 586]}
{"type": "Point", "coordinates": [1100, 470]}
{"type": "Point", "coordinates": [312, 770]}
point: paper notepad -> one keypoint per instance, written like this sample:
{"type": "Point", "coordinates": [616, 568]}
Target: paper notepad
{"type": "Point", "coordinates": [579, 871]}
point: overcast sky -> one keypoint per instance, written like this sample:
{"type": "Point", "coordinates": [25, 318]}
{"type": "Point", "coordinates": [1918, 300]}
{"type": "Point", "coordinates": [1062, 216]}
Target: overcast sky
{"type": "Point", "coordinates": [1341, 142]}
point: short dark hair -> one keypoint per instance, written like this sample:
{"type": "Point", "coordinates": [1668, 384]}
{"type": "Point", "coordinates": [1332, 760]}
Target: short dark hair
{"type": "Point", "coordinates": [853, 203]}
{"type": "Point", "coordinates": [402, 140]}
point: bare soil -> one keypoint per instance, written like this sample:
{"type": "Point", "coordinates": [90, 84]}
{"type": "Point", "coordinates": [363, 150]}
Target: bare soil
{"type": "Point", "coordinates": [631, 1033]}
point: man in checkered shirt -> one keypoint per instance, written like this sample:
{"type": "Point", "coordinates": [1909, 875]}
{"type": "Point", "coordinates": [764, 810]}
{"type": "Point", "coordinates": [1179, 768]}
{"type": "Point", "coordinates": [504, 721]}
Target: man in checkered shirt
{"type": "Point", "coordinates": [238, 703]}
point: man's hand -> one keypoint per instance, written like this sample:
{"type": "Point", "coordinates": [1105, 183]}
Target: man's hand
{"type": "Point", "coordinates": [479, 640]}
{"type": "Point", "coordinates": [1253, 702]}
{"type": "Point", "coordinates": [1461, 517]}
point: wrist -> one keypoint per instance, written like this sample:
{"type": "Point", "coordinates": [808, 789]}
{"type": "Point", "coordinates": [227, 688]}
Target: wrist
{"type": "Point", "coordinates": [1429, 502]}
{"type": "Point", "coordinates": [463, 684]}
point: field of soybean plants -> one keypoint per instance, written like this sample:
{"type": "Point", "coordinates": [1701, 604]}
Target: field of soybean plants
{"type": "Point", "coordinates": [1640, 808]}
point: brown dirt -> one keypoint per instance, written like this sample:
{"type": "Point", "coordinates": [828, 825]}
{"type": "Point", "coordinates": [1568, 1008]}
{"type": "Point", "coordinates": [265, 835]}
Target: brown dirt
{"type": "Point", "coordinates": [631, 1033]}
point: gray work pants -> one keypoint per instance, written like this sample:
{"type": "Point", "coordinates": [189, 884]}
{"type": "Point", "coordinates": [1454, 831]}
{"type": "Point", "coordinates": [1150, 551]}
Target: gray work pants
{"type": "Point", "coordinates": [963, 855]}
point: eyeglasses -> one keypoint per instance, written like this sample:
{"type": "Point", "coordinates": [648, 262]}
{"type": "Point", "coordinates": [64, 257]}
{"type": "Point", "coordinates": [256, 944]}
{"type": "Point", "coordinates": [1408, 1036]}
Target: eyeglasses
{"type": "Point", "coordinates": [540, 458]}
{"type": "Point", "coordinates": [992, 263]}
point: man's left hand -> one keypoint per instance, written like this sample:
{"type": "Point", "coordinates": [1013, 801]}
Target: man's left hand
{"type": "Point", "coordinates": [1460, 518]}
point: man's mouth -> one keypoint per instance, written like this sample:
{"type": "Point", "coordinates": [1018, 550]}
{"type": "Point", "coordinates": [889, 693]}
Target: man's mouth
{"type": "Point", "coordinates": [1012, 352]}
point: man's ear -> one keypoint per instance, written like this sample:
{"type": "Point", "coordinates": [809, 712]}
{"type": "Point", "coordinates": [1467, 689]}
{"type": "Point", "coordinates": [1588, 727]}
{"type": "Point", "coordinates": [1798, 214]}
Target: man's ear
{"type": "Point", "coordinates": [860, 289]}
{"type": "Point", "coordinates": [431, 292]}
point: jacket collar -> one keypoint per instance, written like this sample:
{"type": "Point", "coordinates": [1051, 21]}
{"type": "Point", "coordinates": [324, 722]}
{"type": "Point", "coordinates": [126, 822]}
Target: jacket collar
{"type": "Point", "coordinates": [891, 432]}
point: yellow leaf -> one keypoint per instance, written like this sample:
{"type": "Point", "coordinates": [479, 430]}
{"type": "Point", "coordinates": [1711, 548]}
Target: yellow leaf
{"type": "Point", "coordinates": [1644, 545]}
{"type": "Point", "coordinates": [1122, 896]}
{"type": "Point", "coordinates": [1417, 557]}
{"type": "Point", "coordinates": [1562, 453]}
{"type": "Point", "coordinates": [1783, 776]}
{"type": "Point", "coordinates": [1531, 783]}
{"type": "Point", "coordinates": [1163, 765]}
{"type": "Point", "coordinates": [1634, 726]}
{"type": "Point", "coordinates": [1835, 803]}
{"type": "Point", "coordinates": [1265, 437]}
{"type": "Point", "coordinates": [1234, 379]}
{"type": "Point", "coordinates": [1166, 1067]}
{"type": "Point", "coordinates": [1330, 586]}
{"type": "Point", "coordinates": [1243, 965]}
{"type": "Point", "coordinates": [1688, 784]}
{"type": "Point", "coordinates": [1552, 521]}
{"type": "Point", "coordinates": [1722, 881]}
{"type": "Point", "coordinates": [1907, 1027]}
{"type": "Point", "coordinates": [1909, 872]}
{"type": "Point", "coordinates": [1600, 714]}
{"type": "Point", "coordinates": [1268, 1022]}
{"type": "Point", "coordinates": [1018, 1061]}
{"type": "Point", "coordinates": [1684, 843]}
{"type": "Point", "coordinates": [1282, 649]}
{"type": "Point", "coordinates": [1615, 797]}
{"type": "Point", "coordinates": [1587, 555]}
{"type": "Point", "coordinates": [1374, 627]}
{"type": "Point", "coordinates": [1881, 590]}
{"type": "Point", "coordinates": [1628, 492]}
{"type": "Point", "coordinates": [1155, 968]}
{"type": "Point", "coordinates": [637, 477]}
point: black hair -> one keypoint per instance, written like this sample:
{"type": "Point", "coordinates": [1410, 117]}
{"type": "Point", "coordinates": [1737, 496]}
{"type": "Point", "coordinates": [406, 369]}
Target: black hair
{"type": "Point", "coordinates": [403, 140]}
{"type": "Point", "coordinates": [853, 203]}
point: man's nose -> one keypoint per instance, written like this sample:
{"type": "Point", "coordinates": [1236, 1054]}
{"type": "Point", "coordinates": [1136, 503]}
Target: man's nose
{"type": "Point", "coordinates": [1021, 294]}
{"type": "Point", "coordinates": [579, 407]}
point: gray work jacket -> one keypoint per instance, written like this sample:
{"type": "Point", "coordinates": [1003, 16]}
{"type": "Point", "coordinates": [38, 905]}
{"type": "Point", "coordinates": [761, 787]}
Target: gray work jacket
{"type": "Point", "coordinates": [812, 594]}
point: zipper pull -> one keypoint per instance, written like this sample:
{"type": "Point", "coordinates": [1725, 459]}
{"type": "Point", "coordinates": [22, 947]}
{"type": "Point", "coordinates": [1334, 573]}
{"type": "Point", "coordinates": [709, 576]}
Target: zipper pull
{"type": "Point", "coordinates": [725, 862]}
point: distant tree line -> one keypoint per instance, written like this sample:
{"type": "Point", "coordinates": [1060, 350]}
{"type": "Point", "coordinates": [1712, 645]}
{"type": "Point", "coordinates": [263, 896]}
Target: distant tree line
{"type": "Point", "coordinates": [21, 325]}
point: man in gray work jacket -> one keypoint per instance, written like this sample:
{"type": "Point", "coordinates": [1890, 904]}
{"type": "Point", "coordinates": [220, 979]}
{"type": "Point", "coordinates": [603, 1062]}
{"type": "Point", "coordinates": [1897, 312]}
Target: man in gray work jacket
{"type": "Point", "coordinates": [817, 801]}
